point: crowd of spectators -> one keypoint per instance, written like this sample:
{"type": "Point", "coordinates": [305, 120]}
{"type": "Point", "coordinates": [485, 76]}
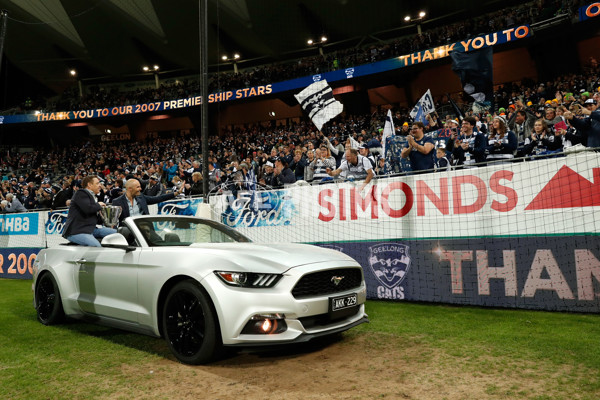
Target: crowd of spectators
{"type": "Point", "coordinates": [99, 97]}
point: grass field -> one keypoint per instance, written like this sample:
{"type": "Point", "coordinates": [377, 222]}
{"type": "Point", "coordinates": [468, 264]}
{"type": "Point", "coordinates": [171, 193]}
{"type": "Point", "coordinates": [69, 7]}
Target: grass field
{"type": "Point", "coordinates": [503, 353]}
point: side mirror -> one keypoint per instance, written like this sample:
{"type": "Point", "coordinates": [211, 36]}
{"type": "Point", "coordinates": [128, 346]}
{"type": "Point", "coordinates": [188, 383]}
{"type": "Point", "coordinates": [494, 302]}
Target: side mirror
{"type": "Point", "coordinates": [118, 241]}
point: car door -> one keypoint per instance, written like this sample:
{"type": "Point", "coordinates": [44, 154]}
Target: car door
{"type": "Point", "coordinates": [107, 282]}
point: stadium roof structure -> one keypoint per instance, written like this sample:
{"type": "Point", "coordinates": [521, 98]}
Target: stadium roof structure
{"type": "Point", "coordinates": [115, 38]}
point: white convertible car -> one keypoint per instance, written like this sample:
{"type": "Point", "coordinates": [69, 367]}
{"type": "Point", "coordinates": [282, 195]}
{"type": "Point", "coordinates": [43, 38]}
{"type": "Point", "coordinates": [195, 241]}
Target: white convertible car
{"type": "Point", "coordinates": [201, 286]}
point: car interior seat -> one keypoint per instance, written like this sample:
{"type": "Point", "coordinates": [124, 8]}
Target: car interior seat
{"type": "Point", "coordinates": [172, 237]}
{"type": "Point", "coordinates": [125, 231]}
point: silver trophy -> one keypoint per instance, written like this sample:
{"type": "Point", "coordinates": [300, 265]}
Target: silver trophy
{"type": "Point", "coordinates": [110, 215]}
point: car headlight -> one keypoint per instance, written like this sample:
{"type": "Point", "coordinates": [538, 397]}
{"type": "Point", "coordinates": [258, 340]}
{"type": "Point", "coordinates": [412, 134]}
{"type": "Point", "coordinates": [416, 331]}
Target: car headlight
{"type": "Point", "coordinates": [248, 279]}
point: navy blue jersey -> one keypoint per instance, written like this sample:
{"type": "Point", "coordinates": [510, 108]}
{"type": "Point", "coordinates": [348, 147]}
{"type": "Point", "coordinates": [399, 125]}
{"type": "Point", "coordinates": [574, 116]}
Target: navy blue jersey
{"type": "Point", "coordinates": [420, 161]}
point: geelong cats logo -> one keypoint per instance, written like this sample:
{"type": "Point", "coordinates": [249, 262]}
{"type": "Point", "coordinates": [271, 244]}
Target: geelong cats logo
{"type": "Point", "coordinates": [389, 263]}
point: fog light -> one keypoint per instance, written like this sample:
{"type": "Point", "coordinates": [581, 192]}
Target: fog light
{"type": "Point", "coordinates": [266, 324]}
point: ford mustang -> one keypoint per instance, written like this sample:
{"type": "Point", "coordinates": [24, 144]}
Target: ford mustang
{"type": "Point", "coordinates": [201, 286]}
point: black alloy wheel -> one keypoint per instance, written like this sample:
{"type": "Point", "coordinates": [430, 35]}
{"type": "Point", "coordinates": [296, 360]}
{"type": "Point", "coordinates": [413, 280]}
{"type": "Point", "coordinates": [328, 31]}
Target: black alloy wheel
{"type": "Point", "coordinates": [48, 302]}
{"type": "Point", "coordinates": [189, 324]}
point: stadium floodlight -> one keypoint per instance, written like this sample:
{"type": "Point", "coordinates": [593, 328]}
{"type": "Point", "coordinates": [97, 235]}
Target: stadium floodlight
{"type": "Point", "coordinates": [236, 56]}
{"type": "Point", "coordinates": [319, 44]}
{"type": "Point", "coordinates": [73, 73]}
{"type": "Point", "coordinates": [234, 60]}
{"type": "Point", "coordinates": [154, 70]}
{"type": "Point", "coordinates": [422, 14]}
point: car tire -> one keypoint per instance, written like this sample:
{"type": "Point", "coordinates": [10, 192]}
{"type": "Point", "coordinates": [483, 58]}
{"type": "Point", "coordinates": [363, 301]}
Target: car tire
{"type": "Point", "coordinates": [48, 302]}
{"type": "Point", "coordinates": [189, 323]}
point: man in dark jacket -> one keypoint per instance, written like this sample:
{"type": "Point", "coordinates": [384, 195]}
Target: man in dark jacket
{"type": "Point", "coordinates": [195, 188]}
{"type": "Point", "coordinates": [116, 190]}
{"type": "Point", "coordinates": [60, 200]}
{"type": "Point", "coordinates": [154, 187]}
{"type": "Point", "coordinates": [133, 202]}
{"type": "Point", "coordinates": [29, 200]}
{"type": "Point", "coordinates": [469, 147]}
{"type": "Point", "coordinates": [282, 175]}
{"type": "Point", "coordinates": [589, 126]}
{"type": "Point", "coordinates": [82, 219]}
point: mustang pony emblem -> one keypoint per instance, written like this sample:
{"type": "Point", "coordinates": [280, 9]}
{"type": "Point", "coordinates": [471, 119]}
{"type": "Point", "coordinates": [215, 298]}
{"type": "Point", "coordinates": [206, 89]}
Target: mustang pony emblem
{"type": "Point", "coordinates": [336, 279]}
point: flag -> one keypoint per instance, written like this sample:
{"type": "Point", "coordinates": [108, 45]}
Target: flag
{"type": "Point", "coordinates": [420, 115]}
{"type": "Point", "coordinates": [423, 107]}
{"type": "Point", "coordinates": [388, 131]}
{"type": "Point", "coordinates": [318, 102]}
{"type": "Point", "coordinates": [459, 113]}
{"type": "Point", "coordinates": [475, 71]}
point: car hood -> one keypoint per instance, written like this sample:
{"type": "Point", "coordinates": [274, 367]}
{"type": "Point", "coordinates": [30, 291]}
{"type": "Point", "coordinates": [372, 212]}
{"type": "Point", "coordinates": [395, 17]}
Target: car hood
{"type": "Point", "coordinates": [272, 258]}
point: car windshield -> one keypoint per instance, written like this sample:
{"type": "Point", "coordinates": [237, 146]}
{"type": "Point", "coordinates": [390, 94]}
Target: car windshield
{"type": "Point", "coordinates": [185, 231]}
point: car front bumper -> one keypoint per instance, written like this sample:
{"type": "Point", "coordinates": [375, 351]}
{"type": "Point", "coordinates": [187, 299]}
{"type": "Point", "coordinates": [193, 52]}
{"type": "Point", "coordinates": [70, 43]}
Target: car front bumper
{"type": "Point", "coordinates": [305, 337]}
{"type": "Point", "coordinates": [305, 318]}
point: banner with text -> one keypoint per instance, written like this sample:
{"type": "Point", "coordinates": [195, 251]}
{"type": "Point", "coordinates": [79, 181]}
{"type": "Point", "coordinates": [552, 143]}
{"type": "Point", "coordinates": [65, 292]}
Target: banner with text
{"type": "Point", "coordinates": [505, 199]}
{"type": "Point", "coordinates": [17, 263]}
{"type": "Point", "coordinates": [545, 273]}
{"type": "Point", "coordinates": [478, 42]}
{"type": "Point", "coordinates": [589, 11]}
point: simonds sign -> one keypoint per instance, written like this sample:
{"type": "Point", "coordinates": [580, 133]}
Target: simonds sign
{"type": "Point", "coordinates": [460, 194]}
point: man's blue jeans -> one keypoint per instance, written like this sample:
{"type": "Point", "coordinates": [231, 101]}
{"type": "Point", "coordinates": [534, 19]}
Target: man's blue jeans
{"type": "Point", "coordinates": [87, 239]}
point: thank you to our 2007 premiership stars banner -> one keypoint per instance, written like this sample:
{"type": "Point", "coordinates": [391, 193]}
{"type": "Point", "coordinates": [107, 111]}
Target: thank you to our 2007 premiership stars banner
{"type": "Point", "coordinates": [166, 105]}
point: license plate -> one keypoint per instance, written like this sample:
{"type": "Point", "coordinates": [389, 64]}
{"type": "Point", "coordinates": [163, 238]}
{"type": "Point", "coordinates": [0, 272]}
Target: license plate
{"type": "Point", "coordinates": [339, 303]}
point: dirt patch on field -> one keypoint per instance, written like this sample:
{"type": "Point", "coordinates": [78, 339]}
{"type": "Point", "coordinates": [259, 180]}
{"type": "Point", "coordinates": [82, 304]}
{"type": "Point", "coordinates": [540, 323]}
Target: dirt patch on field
{"type": "Point", "coordinates": [353, 366]}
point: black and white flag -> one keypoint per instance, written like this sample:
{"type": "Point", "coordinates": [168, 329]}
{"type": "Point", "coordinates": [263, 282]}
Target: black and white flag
{"type": "Point", "coordinates": [475, 69]}
{"type": "Point", "coordinates": [388, 131]}
{"type": "Point", "coordinates": [318, 102]}
{"type": "Point", "coordinates": [424, 106]}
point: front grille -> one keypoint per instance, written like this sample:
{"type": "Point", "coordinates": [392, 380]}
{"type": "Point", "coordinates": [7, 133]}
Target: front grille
{"type": "Point", "coordinates": [322, 282]}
